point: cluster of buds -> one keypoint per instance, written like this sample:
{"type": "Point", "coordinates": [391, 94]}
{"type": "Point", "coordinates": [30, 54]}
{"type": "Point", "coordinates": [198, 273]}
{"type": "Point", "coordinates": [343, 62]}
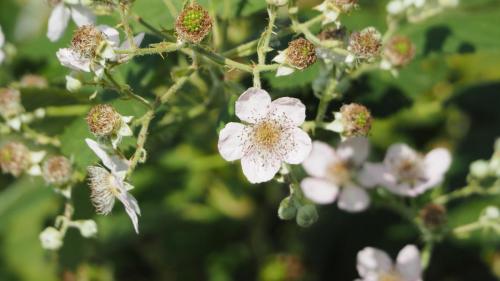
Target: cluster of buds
{"type": "Point", "coordinates": [364, 45]}
{"type": "Point", "coordinates": [193, 24]}
{"type": "Point", "coordinates": [105, 122]}
{"type": "Point", "coordinates": [331, 9]}
{"type": "Point", "coordinates": [57, 170]}
{"type": "Point", "coordinates": [353, 120]}
{"type": "Point", "coordinates": [16, 158]}
{"type": "Point", "coordinates": [300, 55]}
{"type": "Point", "coordinates": [398, 52]}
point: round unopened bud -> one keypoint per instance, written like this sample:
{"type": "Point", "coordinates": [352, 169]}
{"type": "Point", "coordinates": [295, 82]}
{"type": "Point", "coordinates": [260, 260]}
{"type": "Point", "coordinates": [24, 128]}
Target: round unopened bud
{"type": "Point", "coordinates": [307, 215]}
{"type": "Point", "coordinates": [14, 158]}
{"type": "Point", "coordinates": [86, 41]}
{"type": "Point", "coordinates": [57, 170]}
{"type": "Point", "coordinates": [10, 102]}
{"type": "Point", "coordinates": [277, 3]}
{"type": "Point", "coordinates": [103, 120]}
{"type": "Point", "coordinates": [88, 228]}
{"type": "Point", "coordinates": [287, 209]}
{"type": "Point", "coordinates": [73, 84]}
{"type": "Point", "coordinates": [33, 81]}
{"type": "Point", "coordinates": [480, 169]}
{"type": "Point", "coordinates": [51, 238]}
{"type": "Point", "coordinates": [365, 44]}
{"type": "Point", "coordinates": [356, 120]}
{"type": "Point", "coordinates": [399, 50]}
{"type": "Point", "coordinates": [301, 53]}
{"type": "Point", "coordinates": [433, 216]}
{"type": "Point", "coordinates": [491, 213]}
{"type": "Point", "coordinates": [193, 24]}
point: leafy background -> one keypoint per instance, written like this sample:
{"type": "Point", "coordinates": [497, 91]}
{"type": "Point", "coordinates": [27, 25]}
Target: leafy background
{"type": "Point", "coordinates": [201, 219]}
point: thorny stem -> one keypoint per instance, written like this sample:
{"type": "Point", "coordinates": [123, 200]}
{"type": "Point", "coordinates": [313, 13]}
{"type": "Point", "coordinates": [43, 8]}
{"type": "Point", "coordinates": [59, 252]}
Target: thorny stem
{"type": "Point", "coordinates": [124, 14]}
{"type": "Point", "coordinates": [263, 45]}
{"type": "Point", "coordinates": [126, 90]}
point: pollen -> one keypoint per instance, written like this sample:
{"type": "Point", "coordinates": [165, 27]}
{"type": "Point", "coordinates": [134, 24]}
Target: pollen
{"type": "Point", "coordinates": [86, 41]}
{"type": "Point", "coordinates": [390, 276]}
{"type": "Point", "coordinates": [301, 53]}
{"type": "Point", "coordinates": [103, 120]}
{"type": "Point", "coordinates": [193, 24]}
{"type": "Point", "coordinates": [338, 172]}
{"type": "Point", "coordinates": [267, 134]}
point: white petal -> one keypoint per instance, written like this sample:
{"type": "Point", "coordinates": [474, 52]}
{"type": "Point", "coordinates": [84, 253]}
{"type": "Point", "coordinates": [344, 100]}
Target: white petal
{"type": "Point", "coordinates": [112, 35]}
{"type": "Point", "coordinates": [125, 130]}
{"type": "Point", "coordinates": [355, 150]}
{"type": "Point", "coordinates": [288, 109]}
{"type": "Point", "coordinates": [70, 59]}
{"type": "Point", "coordinates": [353, 199]}
{"type": "Point", "coordinates": [37, 157]}
{"type": "Point", "coordinates": [371, 260]}
{"type": "Point", "coordinates": [231, 140]}
{"type": "Point", "coordinates": [81, 15]}
{"type": "Point", "coordinates": [301, 147]}
{"type": "Point", "coordinates": [398, 152]}
{"type": "Point", "coordinates": [321, 7]}
{"type": "Point", "coordinates": [437, 162]}
{"type": "Point", "coordinates": [395, 7]}
{"type": "Point", "coordinates": [34, 170]}
{"type": "Point", "coordinates": [127, 119]}
{"type": "Point", "coordinates": [319, 191]}
{"type": "Point", "coordinates": [280, 58]}
{"type": "Point", "coordinates": [371, 174]}
{"type": "Point", "coordinates": [15, 123]}
{"type": "Point", "coordinates": [253, 105]}
{"type": "Point", "coordinates": [137, 40]}
{"type": "Point", "coordinates": [114, 163]}
{"type": "Point", "coordinates": [58, 21]}
{"type": "Point", "coordinates": [284, 71]}
{"type": "Point", "coordinates": [321, 156]}
{"type": "Point", "coordinates": [131, 207]}
{"type": "Point", "coordinates": [259, 169]}
{"type": "Point", "coordinates": [408, 263]}
{"type": "Point", "coordinates": [330, 16]}
{"type": "Point", "coordinates": [349, 59]}
{"type": "Point", "coordinates": [335, 126]}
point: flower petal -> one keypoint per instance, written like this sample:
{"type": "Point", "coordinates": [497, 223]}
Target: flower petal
{"type": "Point", "coordinates": [371, 174]}
{"type": "Point", "coordinates": [437, 162]}
{"type": "Point", "coordinates": [81, 15]}
{"type": "Point", "coordinates": [355, 150]}
{"type": "Point", "coordinates": [253, 105]}
{"type": "Point", "coordinates": [258, 168]}
{"type": "Point", "coordinates": [319, 191]}
{"type": "Point", "coordinates": [70, 59]}
{"type": "Point", "coordinates": [408, 263]}
{"type": "Point", "coordinates": [131, 207]}
{"type": "Point", "coordinates": [301, 147]}
{"type": "Point", "coordinates": [398, 152]}
{"type": "Point", "coordinates": [231, 141]}
{"type": "Point", "coordinates": [372, 261]}
{"type": "Point", "coordinates": [291, 110]}
{"type": "Point", "coordinates": [284, 71]}
{"type": "Point", "coordinates": [58, 22]}
{"type": "Point", "coordinates": [280, 58]}
{"type": "Point", "coordinates": [319, 159]}
{"type": "Point", "coordinates": [353, 199]}
{"type": "Point", "coordinates": [112, 35]}
{"type": "Point", "coordinates": [114, 163]}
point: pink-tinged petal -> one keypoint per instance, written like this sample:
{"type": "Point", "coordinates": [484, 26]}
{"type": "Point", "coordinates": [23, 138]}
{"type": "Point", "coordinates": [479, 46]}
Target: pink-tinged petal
{"type": "Point", "coordinates": [302, 146]}
{"type": "Point", "coordinates": [371, 174]}
{"type": "Point", "coordinates": [290, 110]}
{"type": "Point", "coordinates": [408, 263]}
{"type": "Point", "coordinates": [231, 141]}
{"type": "Point", "coordinates": [353, 199]}
{"type": "Point", "coordinates": [321, 156]}
{"type": "Point", "coordinates": [58, 22]}
{"type": "Point", "coordinates": [372, 261]}
{"type": "Point", "coordinates": [437, 162]}
{"type": "Point", "coordinates": [355, 150]}
{"type": "Point", "coordinates": [81, 15]}
{"type": "Point", "coordinates": [253, 105]}
{"type": "Point", "coordinates": [70, 59]}
{"type": "Point", "coordinates": [319, 191]}
{"type": "Point", "coordinates": [258, 168]}
{"type": "Point", "coordinates": [112, 35]}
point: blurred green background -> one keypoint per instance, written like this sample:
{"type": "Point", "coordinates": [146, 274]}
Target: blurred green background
{"type": "Point", "coordinates": [201, 219]}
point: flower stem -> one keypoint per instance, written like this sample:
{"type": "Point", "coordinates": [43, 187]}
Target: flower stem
{"type": "Point", "coordinates": [263, 45]}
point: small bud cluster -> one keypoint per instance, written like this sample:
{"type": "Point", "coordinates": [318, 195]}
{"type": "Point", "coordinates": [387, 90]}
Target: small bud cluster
{"type": "Point", "coordinates": [301, 53]}
{"type": "Point", "coordinates": [365, 44]}
{"type": "Point", "coordinates": [10, 102]}
{"type": "Point", "coordinates": [57, 170]}
{"type": "Point", "coordinates": [193, 24]}
{"type": "Point", "coordinates": [103, 120]}
{"type": "Point", "coordinates": [356, 120]}
{"type": "Point", "coordinates": [86, 41]}
{"type": "Point", "coordinates": [433, 216]}
{"type": "Point", "coordinates": [14, 158]}
{"type": "Point", "coordinates": [399, 50]}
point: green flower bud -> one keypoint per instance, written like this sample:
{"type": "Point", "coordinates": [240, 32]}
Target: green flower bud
{"type": "Point", "coordinates": [480, 169]}
{"type": "Point", "coordinates": [287, 209]}
{"type": "Point", "coordinates": [307, 215]}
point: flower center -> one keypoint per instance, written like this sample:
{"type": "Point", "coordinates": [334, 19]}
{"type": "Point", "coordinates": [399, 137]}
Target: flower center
{"type": "Point", "coordinates": [267, 134]}
{"type": "Point", "coordinates": [390, 276]}
{"type": "Point", "coordinates": [86, 41]}
{"type": "Point", "coordinates": [409, 170]}
{"type": "Point", "coordinates": [339, 172]}
{"type": "Point", "coordinates": [192, 20]}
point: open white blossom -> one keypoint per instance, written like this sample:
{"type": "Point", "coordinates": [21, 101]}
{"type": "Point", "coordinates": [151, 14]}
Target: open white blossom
{"type": "Point", "coordinates": [407, 173]}
{"type": "Point", "coordinates": [2, 42]}
{"type": "Point", "coordinates": [332, 9]}
{"type": "Point", "coordinates": [92, 47]}
{"type": "Point", "coordinates": [269, 136]}
{"type": "Point", "coordinates": [333, 174]}
{"type": "Point", "coordinates": [109, 184]}
{"type": "Point", "coordinates": [64, 10]}
{"type": "Point", "coordinates": [375, 265]}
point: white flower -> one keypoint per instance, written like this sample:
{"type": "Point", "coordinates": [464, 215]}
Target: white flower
{"type": "Point", "coordinates": [2, 42]}
{"type": "Point", "coordinates": [407, 173]}
{"type": "Point", "coordinates": [51, 238]}
{"type": "Point", "coordinates": [62, 12]}
{"type": "Point", "coordinates": [331, 9]}
{"type": "Point", "coordinates": [269, 136]}
{"type": "Point", "coordinates": [333, 174]}
{"type": "Point", "coordinates": [374, 265]}
{"type": "Point", "coordinates": [106, 186]}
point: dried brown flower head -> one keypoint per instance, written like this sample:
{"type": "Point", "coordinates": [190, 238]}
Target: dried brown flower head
{"type": "Point", "coordinates": [57, 170]}
{"type": "Point", "coordinates": [86, 41]}
{"type": "Point", "coordinates": [433, 215]}
{"type": "Point", "coordinates": [365, 44]}
{"type": "Point", "coordinates": [193, 23]}
{"type": "Point", "coordinates": [356, 119]}
{"type": "Point", "coordinates": [14, 158]}
{"type": "Point", "coordinates": [103, 120]}
{"type": "Point", "coordinates": [301, 53]}
{"type": "Point", "coordinates": [10, 102]}
{"type": "Point", "coordinates": [399, 50]}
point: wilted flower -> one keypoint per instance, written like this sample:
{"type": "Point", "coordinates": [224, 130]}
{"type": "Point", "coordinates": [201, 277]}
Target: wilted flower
{"type": "Point", "coordinates": [374, 264]}
{"type": "Point", "coordinates": [64, 10]}
{"type": "Point", "coordinates": [57, 170]}
{"type": "Point", "coordinates": [300, 54]}
{"type": "Point", "coordinates": [33, 81]}
{"type": "Point", "coordinates": [104, 121]}
{"type": "Point", "coordinates": [16, 158]}
{"type": "Point", "coordinates": [353, 120]}
{"type": "Point", "coordinates": [333, 174]}
{"type": "Point", "coordinates": [269, 136]}
{"type": "Point", "coordinates": [92, 46]}
{"type": "Point", "coordinates": [108, 185]}
{"type": "Point", "coordinates": [407, 173]}
{"type": "Point", "coordinates": [193, 24]}
{"type": "Point", "coordinates": [331, 9]}
{"type": "Point", "coordinates": [51, 238]}
{"type": "Point", "coordinates": [398, 52]}
{"type": "Point", "coordinates": [2, 42]}
{"type": "Point", "coordinates": [364, 45]}
{"type": "Point", "coordinates": [433, 215]}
